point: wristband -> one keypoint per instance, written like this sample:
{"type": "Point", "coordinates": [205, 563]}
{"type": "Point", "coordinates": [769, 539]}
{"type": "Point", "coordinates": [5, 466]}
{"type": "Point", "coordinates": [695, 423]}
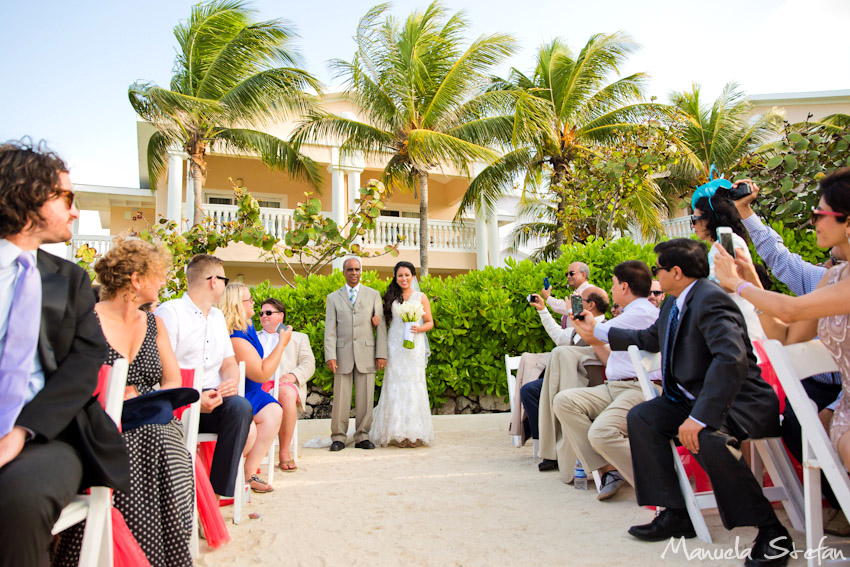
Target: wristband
{"type": "Point", "coordinates": [741, 287]}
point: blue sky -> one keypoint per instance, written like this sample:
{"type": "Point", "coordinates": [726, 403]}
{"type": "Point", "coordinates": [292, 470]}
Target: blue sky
{"type": "Point", "coordinates": [66, 66]}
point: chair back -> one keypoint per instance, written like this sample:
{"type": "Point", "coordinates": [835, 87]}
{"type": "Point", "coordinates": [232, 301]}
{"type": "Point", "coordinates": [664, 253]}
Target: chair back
{"type": "Point", "coordinates": [190, 416]}
{"type": "Point", "coordinates": [643, 363]}
{"type": "Point", "coordinates": [111, 382]}
{"type": "Point", "coordinates": [511, 366]}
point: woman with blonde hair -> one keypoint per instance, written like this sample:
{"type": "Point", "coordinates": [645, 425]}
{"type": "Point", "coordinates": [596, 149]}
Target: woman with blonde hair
{"type": "Point", "coordinates": [159, 507]}
{"type": "Point", "coordinates": [238, 308]}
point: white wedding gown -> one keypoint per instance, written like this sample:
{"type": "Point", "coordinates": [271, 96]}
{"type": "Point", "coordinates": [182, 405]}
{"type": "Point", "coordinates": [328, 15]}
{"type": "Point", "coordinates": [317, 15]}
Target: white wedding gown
{"type": "Point", "coordinates": [403, 412]}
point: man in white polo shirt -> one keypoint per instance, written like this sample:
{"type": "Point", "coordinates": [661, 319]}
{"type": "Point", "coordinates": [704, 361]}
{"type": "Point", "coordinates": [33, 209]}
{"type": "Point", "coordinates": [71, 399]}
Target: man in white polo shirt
{"type": "Point", "coordinates": [199, 336]}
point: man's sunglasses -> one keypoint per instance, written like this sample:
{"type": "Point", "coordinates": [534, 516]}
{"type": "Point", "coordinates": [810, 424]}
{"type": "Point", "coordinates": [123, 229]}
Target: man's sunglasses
{"type": "Point", "coordinates": [655, 270]}
{"type": "Point", "coordinates": [656, 292]}
{"type": "Point", "coordinates": [269, 313]}
{"type": "Point", "coordinates": [222, 278]}
{"type": "Point", "coordinates": [69, 197]}
{"type": "Point", "coordinates": [818, 213]}
{"type": "Point", "coordinates": [571, 273]}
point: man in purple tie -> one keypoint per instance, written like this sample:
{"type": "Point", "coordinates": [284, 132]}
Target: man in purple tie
{"type": "Point", "coordinates": [55, 438]}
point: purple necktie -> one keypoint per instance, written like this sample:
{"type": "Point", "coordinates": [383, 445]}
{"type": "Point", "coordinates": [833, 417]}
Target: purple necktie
{"type": "Point", "coordinates": [21, 341]}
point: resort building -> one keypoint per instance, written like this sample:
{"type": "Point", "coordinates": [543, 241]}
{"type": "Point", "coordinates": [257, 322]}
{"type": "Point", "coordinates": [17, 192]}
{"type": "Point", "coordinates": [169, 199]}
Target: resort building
{"type": "Point", "coordinates": [454, 247]}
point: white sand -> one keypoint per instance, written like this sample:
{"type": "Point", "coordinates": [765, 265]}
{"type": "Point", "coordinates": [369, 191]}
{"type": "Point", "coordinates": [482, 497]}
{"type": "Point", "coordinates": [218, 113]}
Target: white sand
{"type": "Point", "coordinates": [472, 499]}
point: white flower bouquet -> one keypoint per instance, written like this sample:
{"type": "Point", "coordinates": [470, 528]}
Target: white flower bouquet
{"type": "Point", "coordinates": [410, 314]}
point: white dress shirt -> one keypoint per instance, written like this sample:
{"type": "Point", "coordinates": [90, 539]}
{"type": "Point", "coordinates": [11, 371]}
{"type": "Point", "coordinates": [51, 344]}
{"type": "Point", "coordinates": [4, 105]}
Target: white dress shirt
{"type": "Point", "coordinates": [639, 314]}
{"type": "Point", "coordinates": [356, 292]}
{"type": "Point", "coordinates": [10, 270]}
{"type": "Point", "coordinates": [197, 339]}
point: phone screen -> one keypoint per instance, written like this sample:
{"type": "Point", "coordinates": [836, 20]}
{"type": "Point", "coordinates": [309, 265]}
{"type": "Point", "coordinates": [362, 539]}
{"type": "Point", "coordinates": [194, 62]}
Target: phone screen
{"type": "Point", "coordinates": [281, 327]}
{"type": "Point", "coordinates": [725, 239]}
{"type": "Point", "coordinates": [577, 306]}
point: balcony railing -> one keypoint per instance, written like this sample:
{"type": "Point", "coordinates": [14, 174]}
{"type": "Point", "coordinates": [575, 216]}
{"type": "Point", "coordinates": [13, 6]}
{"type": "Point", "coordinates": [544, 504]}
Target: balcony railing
{"type": "Point", "coordinates": [444, 235]}
{"type": "Point", "coordinates": [679, 227]}
{"type": "Point", "coordinates": [100, 243]}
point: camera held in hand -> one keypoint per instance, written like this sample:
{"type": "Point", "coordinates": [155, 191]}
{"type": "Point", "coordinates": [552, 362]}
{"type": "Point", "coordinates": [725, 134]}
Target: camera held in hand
{"type": "Point", "coordinates": [531, 298]}
{"type": "Point", "coordinates": [741, 190]}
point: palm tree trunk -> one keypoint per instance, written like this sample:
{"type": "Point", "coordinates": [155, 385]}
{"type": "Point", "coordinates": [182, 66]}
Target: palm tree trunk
{"type": "Point", "coordinates": [424, 238]}
{"type": "Point", "coordinates": [197, 185]}
{"type": "Point", "coordinates": [611, 218]}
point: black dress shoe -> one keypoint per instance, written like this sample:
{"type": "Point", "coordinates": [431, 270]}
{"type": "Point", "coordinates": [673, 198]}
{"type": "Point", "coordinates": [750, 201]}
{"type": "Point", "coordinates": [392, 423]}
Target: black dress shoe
{"type": "Point", "coordinates": [337, 446]}
{"type": "Point", "coordinates": [664, 526]}
{"type": "Point", "coordinates": [548, 465]}
{"type": "Point", "coordinates": [772, 548]}
{"type": "Point", "coordinates": [365, 444]}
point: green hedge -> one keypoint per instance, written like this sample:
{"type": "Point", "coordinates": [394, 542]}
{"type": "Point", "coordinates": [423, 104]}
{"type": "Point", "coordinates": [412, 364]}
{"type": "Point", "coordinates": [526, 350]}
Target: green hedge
{"type": "Point", "coordinates": [479, 317]}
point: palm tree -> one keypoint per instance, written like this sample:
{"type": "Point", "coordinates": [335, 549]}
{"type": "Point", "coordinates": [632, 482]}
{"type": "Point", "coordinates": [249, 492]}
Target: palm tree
{"type": "Point", "coordinates": [422, 97]}
{"type": "Point", "coordinates": [225, 81]}
{"type": "Point", "coordinates": [581, 107]}
{"type": "Point", "coordinates": [719, 133]}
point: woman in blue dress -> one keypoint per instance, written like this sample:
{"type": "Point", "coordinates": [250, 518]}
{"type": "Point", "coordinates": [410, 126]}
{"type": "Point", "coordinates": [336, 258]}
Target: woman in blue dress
{"type": "Point", "coordinates": [238, 309]}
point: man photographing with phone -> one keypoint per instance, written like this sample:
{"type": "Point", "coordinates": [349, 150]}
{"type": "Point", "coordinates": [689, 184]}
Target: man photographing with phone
{"type": "Point", "coordinates": [578, 275]}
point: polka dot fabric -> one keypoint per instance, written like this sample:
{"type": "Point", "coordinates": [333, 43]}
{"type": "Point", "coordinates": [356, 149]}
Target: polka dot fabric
{"type": "Point", "coordinates": [158, 509]}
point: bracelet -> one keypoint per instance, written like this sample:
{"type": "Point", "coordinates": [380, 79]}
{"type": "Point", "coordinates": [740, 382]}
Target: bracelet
{"type": "Point", "coordinates": [742, 286]}
{"type": "Point", "coordinates": [758, 311]}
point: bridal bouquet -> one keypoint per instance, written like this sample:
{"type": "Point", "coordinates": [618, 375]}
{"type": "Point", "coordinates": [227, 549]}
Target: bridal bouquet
{"type": "Point", "coordinates": [410, 314]}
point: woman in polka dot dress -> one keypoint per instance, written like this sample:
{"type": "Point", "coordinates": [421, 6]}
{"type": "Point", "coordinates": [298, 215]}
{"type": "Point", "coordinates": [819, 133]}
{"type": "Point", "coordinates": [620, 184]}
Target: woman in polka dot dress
{"type": "Point", "coordinates": [158, 509]}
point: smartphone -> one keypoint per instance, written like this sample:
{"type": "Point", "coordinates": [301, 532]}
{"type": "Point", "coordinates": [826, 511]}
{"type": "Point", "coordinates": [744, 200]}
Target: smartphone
{"type": "Point", "coordinates": [546, 283]}
{"type": "Point", "coordinates": [724, 236]}
{"type": "Point", "coordinates": [530, 298]}
{"type": "Point", "coordinates": [281, 327]}
{"type": "Point", "coordinates": [577, 306]}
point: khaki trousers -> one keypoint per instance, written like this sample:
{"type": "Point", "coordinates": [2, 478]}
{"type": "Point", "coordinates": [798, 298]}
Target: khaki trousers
{"type": "Point", "coordinates": [364, 399]}
{"type": "Point", "coordinates": [593, 421]}
{"type": "Point", "coordinates": [564, 371]}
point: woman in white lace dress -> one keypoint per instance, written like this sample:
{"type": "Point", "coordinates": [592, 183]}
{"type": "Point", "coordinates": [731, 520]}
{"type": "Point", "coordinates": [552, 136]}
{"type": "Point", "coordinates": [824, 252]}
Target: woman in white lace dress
{"type": "Point", "coordinates": [403, 414]}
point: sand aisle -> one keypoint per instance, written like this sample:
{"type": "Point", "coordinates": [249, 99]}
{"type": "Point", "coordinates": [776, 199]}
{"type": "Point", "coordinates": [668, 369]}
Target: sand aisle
{"type": "Point", "coordinates": [472, 499]}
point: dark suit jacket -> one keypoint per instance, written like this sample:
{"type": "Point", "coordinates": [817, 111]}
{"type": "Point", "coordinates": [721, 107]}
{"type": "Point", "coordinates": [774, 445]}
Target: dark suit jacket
{"type": "Point", "coordinates": [712, 359]}
{"type": "Point", "coordinates": [72, 349]}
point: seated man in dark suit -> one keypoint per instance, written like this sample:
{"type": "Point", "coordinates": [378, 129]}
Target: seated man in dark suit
{"type": "Point", "coordinates": [714, 398]}
{"type": "Point", "coordinates": [55, 438]}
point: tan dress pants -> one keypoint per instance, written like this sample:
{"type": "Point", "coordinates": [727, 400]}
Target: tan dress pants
{"type": "Point", "coordinates": [593, 421]}
{"type": "Point", "coordinates": [564, 371]}
{"type": "Point", "coordinates": [364, 399]}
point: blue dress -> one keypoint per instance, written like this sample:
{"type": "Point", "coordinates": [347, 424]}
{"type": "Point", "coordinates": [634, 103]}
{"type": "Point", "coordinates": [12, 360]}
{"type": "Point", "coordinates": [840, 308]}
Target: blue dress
{"type": "Point", "coordinates": [254, 392]}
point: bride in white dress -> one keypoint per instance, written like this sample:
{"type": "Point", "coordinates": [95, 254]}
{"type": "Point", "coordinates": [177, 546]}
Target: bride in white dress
{"type": "Point", "coordinates": [403, 414]}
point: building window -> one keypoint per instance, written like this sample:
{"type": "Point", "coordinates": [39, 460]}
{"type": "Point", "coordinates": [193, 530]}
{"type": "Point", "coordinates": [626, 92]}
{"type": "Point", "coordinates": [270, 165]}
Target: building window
{"type": "Point", "coordinates": [402, 214]}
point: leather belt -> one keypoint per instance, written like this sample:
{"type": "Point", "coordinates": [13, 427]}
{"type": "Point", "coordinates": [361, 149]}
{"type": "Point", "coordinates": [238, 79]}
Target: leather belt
{"type": "Point", "coordinates": [634, 379]}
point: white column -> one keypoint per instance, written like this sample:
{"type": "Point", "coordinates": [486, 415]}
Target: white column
{"type": "Point", "coordinates": [189, 208]}
{"type": "Point", "coordinates": [480, 241]}
{"type": "Point", "coordinates": [494, 243]}
{"type": "Point", "coordinates": [175, 186]}
{"type": "Point", "coordinates": [353, 188]}
{"type": "Point", "coordinates": [338, 201]}
{"type": "Point", "coordinates": [353, 195]}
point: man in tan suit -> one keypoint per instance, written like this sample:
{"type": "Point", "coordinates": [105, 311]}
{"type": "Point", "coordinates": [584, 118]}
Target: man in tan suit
{"type": "Point", "coordinates": [353, 353]}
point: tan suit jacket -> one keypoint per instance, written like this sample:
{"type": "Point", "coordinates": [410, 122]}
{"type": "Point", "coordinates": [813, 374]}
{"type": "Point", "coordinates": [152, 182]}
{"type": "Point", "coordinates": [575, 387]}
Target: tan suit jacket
{"type": "Point", "coordinates": [350, 338]}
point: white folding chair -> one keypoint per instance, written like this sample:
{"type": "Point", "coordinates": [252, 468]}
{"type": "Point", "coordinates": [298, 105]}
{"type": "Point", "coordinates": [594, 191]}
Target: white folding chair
{"type": "Point", "coordinates": [511, 366]}
{"type": "Point", "coordinates": [771, 452]}
{"type": "Point", "coordinates": [96, 508]}
{"type": "Point", "coordinates": [191, 419]}
{"type": "Point", "coordinates": [240, 494]}
{"type": "Point", "coordinates": [792, 363]}
{"type": "Point", "coordinates": [293, 445]}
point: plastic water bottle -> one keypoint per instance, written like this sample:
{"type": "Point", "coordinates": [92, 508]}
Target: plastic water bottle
{"type": "Point", "coordinates": [579, 477]}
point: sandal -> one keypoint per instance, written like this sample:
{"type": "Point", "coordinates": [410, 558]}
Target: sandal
{"type": "Point", "coordinates": [287, 466]}
{"type": "Point", "coordinates": [259, 485]}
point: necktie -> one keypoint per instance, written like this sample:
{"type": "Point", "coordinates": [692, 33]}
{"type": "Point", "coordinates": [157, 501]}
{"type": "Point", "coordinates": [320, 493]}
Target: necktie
{"type": "Point", "coordinates": [352, 295]}
{"type": "Point", "coordinates": [21, 342]}
{"type": "Point", "coordinates": [671, 390]}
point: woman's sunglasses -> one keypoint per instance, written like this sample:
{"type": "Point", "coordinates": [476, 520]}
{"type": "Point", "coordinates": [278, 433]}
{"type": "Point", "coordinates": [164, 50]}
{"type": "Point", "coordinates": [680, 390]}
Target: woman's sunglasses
{"type": "Point", "coordinates": [694, 219]}
{"type": "Point", "coordinates": [818, 213]}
